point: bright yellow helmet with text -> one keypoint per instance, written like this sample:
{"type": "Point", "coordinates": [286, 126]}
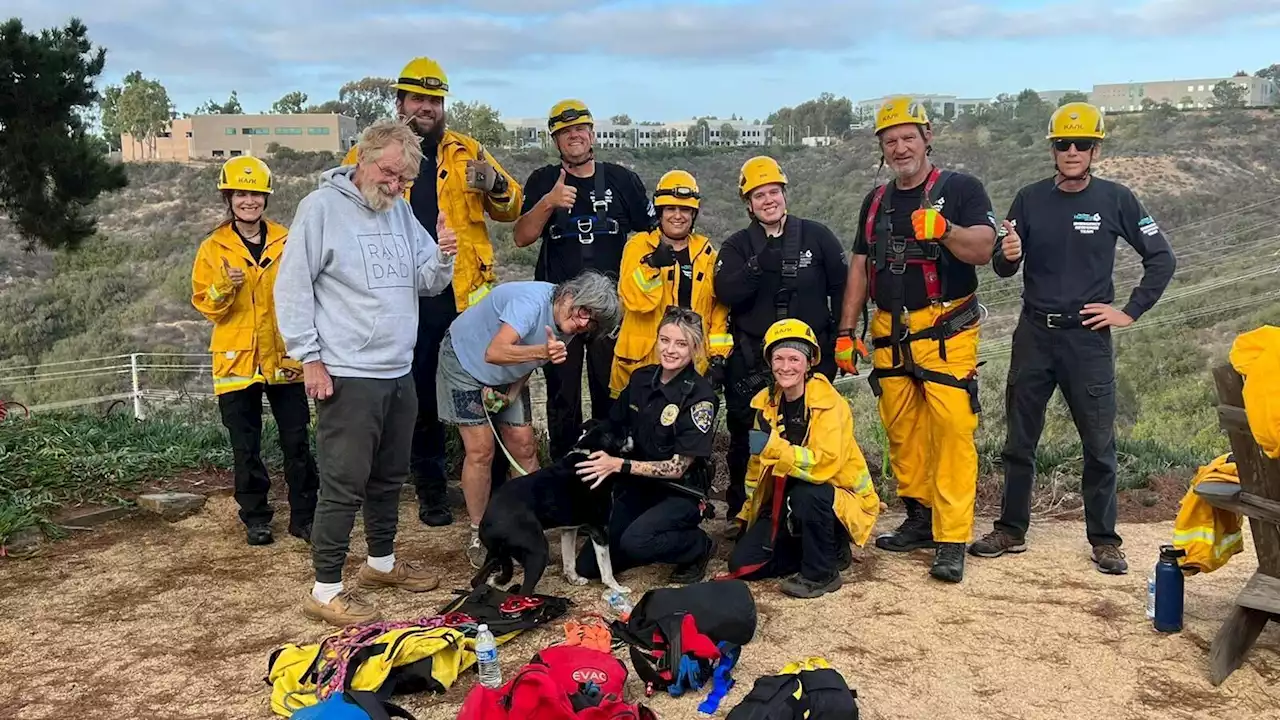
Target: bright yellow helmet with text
{"type": "Point", "coordinates": [900, 110]}
{"type": "Point", "coordinates": [677, 187]}
{"type": "Point", "coordinates": [423, 76]}
{"type": "Point", "coordinates": [1077, 120]}
{"type": "Point", "coordinates": [568, 113]}
{"type": "Point", "coordinates": [759, 171]}
{"type": "Point", "coordinates": [791, 329]}
{"type": "Point", "coordinates": [245, 173]}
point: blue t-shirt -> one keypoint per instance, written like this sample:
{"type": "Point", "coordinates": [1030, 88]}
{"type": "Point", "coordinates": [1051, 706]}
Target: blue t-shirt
{"type": "Point", "coordinates": [525, 306]}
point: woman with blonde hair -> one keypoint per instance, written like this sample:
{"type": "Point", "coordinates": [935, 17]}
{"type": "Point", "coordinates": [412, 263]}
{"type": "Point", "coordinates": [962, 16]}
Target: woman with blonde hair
{"type": "Point", "coordinates": [669, 412]}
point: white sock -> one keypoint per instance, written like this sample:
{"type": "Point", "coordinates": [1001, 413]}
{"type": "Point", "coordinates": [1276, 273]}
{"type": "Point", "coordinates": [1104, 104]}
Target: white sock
{"type": "Point", "coordinates": [382, 564]}
{"type": "Point", "coordinates": [326, 592]}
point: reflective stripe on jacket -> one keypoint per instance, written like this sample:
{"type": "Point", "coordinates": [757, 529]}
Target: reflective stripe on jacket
{"type": "Point", "coordinates": [1209, 535]}
{"type": "Point", "coordinates": [246, 343]}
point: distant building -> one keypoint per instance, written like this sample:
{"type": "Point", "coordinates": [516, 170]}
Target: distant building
{"type": "Point", "coordinates": [1053, 98]}
{"type": "Point", "coordinates": [1182, 94]}
{"type": "Point", "coordinates": [819, 141]}
{"type": "Point", "coordinates": [944, 106]}
{"type": "Point", "coordinates": [532, 132]}
{"type": "Point", "coordinates": [225, 136]}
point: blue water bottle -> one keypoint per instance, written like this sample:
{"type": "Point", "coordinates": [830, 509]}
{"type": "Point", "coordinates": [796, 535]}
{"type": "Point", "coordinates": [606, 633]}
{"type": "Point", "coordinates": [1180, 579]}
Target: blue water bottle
{"type": "Point", "coordinates": [1169, 590]}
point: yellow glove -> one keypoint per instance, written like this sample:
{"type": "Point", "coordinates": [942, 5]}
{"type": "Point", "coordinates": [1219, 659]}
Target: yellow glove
{"type": "Point", "coordinates": [776, 447]}
{"type": "Point", "coordinates": [929, 224]}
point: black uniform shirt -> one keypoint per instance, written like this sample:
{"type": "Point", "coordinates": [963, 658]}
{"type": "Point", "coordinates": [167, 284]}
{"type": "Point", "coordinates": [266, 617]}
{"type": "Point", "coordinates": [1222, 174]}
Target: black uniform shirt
{"type": "Point", "coordinates": [795, 421]}
{"type": "Point", "coordinates": [677, 418]}
{"type": "Point", "coordinates": [255, 249]}
{"type": "Point", "coordinates": [424, 198]}
{"type": "Point", "coordinates": [1069, 247]}
{"type": "Point", "coordinates": [628, 205]}
{"type": "Point", "coordinates": [964, 202]}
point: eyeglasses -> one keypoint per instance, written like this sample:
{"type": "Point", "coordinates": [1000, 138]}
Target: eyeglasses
{"type": "Point", "coordinates": [569, 116]}
{"type": "Point", "coordinates": [392, 175]}
{"type": "Point", "coordinates": [682, 192]}
{"type": "Point", "coordinates": [1064, 144]}
{"type": "Point", "coordinates": [675, 312]}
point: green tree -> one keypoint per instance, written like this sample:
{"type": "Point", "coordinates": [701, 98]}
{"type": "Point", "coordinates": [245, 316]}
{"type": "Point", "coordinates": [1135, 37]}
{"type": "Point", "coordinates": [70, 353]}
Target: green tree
{"type": "Point", "coordinates": [329, 107]}
{"type": "Point", "coordinates": [368, 99]}
{"type": "Point", "coordinates": [1073, 96]}
{"type": "Point", "coordinates": [290, 103]}
{"type": "Point", "coordinates": [1240, 73]}
{"type": "Point", "coordinates": [1270, 72]}
{"type": "Point", "coordinates": [230, 107]}
{"type": "Point", "coordinates": [826, 115]}
{"type": "Point", "coordinates": [1227, 94]}
{"type": "Point", "coordinates": [144, 110]}
{"type": "Point", "coordinates": [109, 113]}
{"type": "Point", "coordinates": [622, 119]}
{"type": "Point", "coordinates": [51, 169]}
{"type": "Point", "coordinates": [478, 120]}
{"type": "Point", "coordinates": [728, 134]}
{"type": "Point", "coordinates": [700, 133]}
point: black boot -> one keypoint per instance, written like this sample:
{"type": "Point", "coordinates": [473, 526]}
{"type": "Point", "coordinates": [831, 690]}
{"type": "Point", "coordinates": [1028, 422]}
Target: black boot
{"type": "Point", "coordinates": [435, 515]}
{"type": "Point", "coordinates": [258, 535]}
{"type": "Point", "coordinates": [696, 570]}
{"type": "Point", "coordinates": [948, 562]}
{"type": "Point", "coordinates": [914, 533]}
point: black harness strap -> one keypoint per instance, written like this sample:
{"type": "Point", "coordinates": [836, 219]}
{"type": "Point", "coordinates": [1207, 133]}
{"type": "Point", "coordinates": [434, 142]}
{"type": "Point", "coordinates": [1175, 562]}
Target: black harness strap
{"type": "Point", "coordinates": [790, 268]}
{"type": "Point", "coordinates": [968, 384]}
{"type": "Point", "coordinates": [946, 327]}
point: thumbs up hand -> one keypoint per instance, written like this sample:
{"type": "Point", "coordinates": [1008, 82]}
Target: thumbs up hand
{"type": "Point", "coordinates": [481, 175]}
{"type": "Point", "coordinates": [1011, 243]}
{"type": "Point", "coordinates": [562, 195]}
{"type": "Point", "coordinates": [556, 351]}
{"type": "Point", "coordinates": [234, 274]}
{"type": "Point", "coordinates": [446, 238]}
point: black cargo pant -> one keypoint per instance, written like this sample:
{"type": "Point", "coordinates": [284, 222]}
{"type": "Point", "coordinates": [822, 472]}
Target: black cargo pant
{"type": "Point", "coordinates": [564, 389]}
{"type": "Point", "coordinates": [1080, 362]}
{"type": "Point", "coordinates": [808, 538]}
{"type": "Point", "coordinates": [363, 434]}
{"type": "Point", "coordinates": [648, 525]}
{"type": "Point", "coordinates": [242, 416]}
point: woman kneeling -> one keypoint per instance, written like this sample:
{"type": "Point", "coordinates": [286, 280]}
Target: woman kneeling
{"type": "Point", "coordinates": [809, 492]}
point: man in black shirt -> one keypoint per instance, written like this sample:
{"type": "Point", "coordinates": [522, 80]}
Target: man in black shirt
{"type": "Point", "coordinates": [778, 267]}
{"type": "Point", "coordinates": [919, 237]}
{"type": "Point", "coordinates": [582, 210]}
{"type": "Point", "coordinates": [1065, 227]}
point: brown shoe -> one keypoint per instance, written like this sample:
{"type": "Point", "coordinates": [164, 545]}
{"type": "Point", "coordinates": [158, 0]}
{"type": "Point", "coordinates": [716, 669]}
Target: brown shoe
{"type": "Point", "coordinates": [405, 575]}
{"type": "Point", "coordinates": [347, 608]}
{"type": "Point", "coordinates": [1110, 560]}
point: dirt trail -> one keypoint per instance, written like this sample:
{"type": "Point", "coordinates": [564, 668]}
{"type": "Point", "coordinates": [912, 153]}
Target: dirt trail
{"type": "Point", "coordinates": [147, 620]}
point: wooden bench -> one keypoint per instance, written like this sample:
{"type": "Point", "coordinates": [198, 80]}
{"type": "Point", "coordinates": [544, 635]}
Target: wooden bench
{"type": "Point", "coordinates": [1258, 500]}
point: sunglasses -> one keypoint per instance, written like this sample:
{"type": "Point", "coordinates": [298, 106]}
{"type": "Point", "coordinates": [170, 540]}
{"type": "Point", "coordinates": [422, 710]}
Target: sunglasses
{"type": "Point", "coordinates": [682, 192]}
{"type": "Point", "coordinates": [675, 312]}
{"type": "Point", "coordinates": [1064, 144]}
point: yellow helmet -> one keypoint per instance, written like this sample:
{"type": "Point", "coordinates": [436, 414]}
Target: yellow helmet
{"type": "Point", "coordinates": [791, 329]}
{"type": "Point", "coordinates": [759, 171]}
{"type": "Point", "coordinates": [900, 110]}
{"type": "Point", "coordinates": [423, 76]}
{"type": "Point", "coordinates": [677, 187]}
{"type": "Point", "coordinates": [245, 173]}
{"type": "Point", "coordinates": [568, 113]}
{"type": "Point", "coordinates": [1077, 120]}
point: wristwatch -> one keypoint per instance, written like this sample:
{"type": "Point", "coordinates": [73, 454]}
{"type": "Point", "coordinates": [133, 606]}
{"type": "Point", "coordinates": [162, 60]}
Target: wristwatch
{"type": "Point", "coordinates": [626, 467]}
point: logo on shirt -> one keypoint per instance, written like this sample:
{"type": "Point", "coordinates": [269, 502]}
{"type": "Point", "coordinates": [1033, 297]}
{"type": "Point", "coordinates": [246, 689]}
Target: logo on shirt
{"type": "Point", "coordinates": [703, 413]}
{"type": "Point", "coordinates": [669, 414]}
{"type": "Point", "coordinates": [1148, 226]}
{"type": "Point", "coordinates": [1086, 223]}
{"type": "Point", "coordinates": [942, 201]}
{"type": "Point", "coordinates": [386, 260]}
{"type": "Point", "coordinates": [806, 258]}
{"type": "Point", "coordinates": [687, 271]}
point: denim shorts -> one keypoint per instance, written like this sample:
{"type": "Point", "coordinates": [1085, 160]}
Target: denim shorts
{"type": "Point", "coordinates": [459, 396]}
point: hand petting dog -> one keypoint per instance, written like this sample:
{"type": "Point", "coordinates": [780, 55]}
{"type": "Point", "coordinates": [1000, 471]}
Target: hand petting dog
{"type": "Point", "coordinates": [598, 466]}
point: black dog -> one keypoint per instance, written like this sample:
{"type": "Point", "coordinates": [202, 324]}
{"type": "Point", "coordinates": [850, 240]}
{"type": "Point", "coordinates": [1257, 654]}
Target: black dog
{"type": "Point", "coordinates": [524, 508]}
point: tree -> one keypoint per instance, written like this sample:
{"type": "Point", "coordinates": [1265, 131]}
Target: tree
{"type": "Point", "coordinates": [144, 110]}
{"type": "Point", "coordinates": [368, 99]}
{"type": "Point", "coordinates": [1187, 102]}
{"type": "Point", "coordinates": [230, 107]}
{"type": "Point", "coordinates": [478, 120]}
{"type": "Point", "coordinates": [109, 114]}
{"type": "Point", "coordinates": [1073, 96]}
{"type": "Point", "coordinates": [622, 119]}
{"type": "Point", "coordinates": [699, 133]}
{"type": "Point", "coordinates": [826, 115]}
{"type": "Point", "coordinates": [290, 103]}
{"type": "Point", "coordinates": [329, 107]}
{"type": "Point", "coordinates": [1227, 94]}
{"type": "Point", "coordinates": [51, 169]}
{"type": "Point", "coordinates": [1271, 72]}
{"type": "Point", "coordinates": [1241, 73]}
{"type": "Point", "coordinates": [728, 134]}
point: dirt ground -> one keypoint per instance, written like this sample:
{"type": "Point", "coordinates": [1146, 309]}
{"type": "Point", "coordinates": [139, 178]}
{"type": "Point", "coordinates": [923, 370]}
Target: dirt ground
{"type": "Point", "coordinates": [144, 619]}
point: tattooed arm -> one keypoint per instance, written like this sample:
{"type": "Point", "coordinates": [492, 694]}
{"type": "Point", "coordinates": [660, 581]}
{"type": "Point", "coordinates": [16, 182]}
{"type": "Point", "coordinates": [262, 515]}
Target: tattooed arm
{"type": "Point", "coordinates": [600, 465]}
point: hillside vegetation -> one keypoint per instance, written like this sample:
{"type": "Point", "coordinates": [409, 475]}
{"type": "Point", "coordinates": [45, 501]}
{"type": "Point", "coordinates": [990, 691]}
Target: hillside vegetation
{"type": "Point", "coordinates": [1212, 180]}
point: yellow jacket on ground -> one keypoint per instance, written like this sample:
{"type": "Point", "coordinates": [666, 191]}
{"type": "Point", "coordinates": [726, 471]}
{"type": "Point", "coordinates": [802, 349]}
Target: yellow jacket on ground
{"type": "Point", "coordinates": [1256, 356]}
{"type": "Point", "coordinates": [828, 455]}
{"type": "Point", "coordinates": [646, 292]}
{"type": "Point", "coordinates": [246, 343]}
{"type": "Point", "coordinates": [1209, 535]}
{"type": "Point", "coordinates": [465, 209]}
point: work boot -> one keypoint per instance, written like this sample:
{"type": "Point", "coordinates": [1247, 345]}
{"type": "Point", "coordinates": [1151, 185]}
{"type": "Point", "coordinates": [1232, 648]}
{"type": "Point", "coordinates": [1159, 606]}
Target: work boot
{"type": "Point", "coordinates": [948, 562]}
{"type": "Point", "coordinates": [799, 586]}
{"type": "Point", "coordinates": [405, 575]}
{"type": "Point", "coordinates": [1110, 560]}
{"type": "Point", "coordinates": [694, 572]}
{"type": "Point", "coordinates": [476, 551]}
{"type": "Point", "coordinates": [258, 535]}
{"type": "Point", "coordinates": [302, 532]}
{"type": "Point", "coordinates": [914, 533]}
{"type": "Point", "coordinates": [844, 555]}
{"type": "Point", "coordinates": [435, 515]}
{"type": "Point", "coordinates": [347, 608]}
{"type": "Point", "coordinates": [996, 543]}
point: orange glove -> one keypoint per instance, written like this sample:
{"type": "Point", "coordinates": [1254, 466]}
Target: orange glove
{"type": "Point", "coordinates": [844, 354]}
{"type": "Point", "coordinates": [929, 224]}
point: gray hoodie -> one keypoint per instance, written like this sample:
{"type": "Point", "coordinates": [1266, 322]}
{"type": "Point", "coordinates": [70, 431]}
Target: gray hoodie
{"type": "Point", "coordinates": [349, 280]}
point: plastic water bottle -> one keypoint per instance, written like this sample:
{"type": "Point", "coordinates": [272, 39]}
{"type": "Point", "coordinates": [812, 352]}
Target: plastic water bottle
{"type": "Point", "coordinates": [487, 658]}
{"type": "Point", "coordinates": [618, 603]}
{"type": "Point", "coordinates": [1169, 589]}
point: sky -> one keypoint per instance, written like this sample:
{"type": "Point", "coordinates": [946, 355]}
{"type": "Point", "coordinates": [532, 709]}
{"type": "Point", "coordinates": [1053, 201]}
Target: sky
{"type": "Point", "coordinates": [666, 60]}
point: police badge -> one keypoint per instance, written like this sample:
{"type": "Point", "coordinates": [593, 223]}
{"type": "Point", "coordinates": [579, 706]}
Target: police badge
{"type": "Point", "coordinates": [702, 414]}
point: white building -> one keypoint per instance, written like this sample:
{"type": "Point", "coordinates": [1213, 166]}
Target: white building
{"type": "Point", "coordinates": [532, 132]}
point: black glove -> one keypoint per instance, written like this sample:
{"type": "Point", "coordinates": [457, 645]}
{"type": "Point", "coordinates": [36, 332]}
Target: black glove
{"type": "Point", "coordinates": [770, 259]}
{"type": "Point", "coordinates": [715, 372]}
{"type": "Point", "coordinates": [662, 257]}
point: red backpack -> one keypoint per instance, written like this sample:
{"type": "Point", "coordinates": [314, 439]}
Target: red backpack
{"type": "Point", "coordinates": [560, 683]}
